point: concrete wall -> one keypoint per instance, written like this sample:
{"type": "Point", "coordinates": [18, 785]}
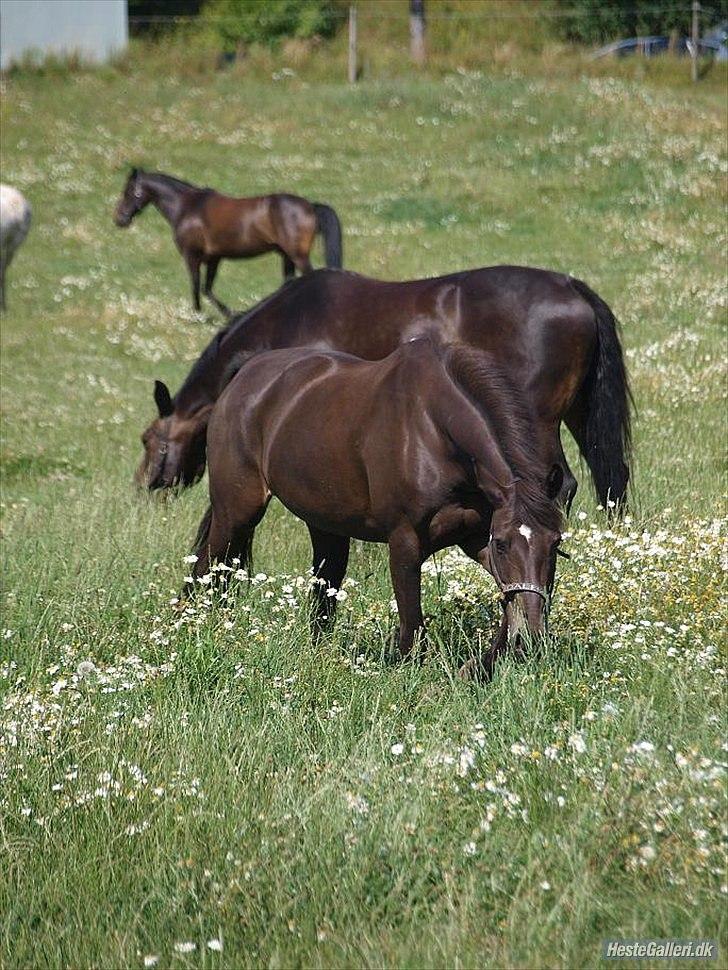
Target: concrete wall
{"type": "Point", "coordinates": [93, 28]}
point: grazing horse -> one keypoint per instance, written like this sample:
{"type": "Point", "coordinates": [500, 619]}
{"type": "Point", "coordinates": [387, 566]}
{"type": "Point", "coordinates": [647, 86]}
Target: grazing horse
{"type": "Point", "coordinates": [208, 227]}
{"type": "Point", "coordinates": [552, 336]}
{"type": "Point", "coordinates": [431, 447]}
{"type": "Point", "coordinates": [15, 215]}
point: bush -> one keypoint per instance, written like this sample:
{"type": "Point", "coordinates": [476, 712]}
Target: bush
{"type": "Point", "coordinates": [239, 22]}
{"type": "Point", "coordinates": [594, 21]}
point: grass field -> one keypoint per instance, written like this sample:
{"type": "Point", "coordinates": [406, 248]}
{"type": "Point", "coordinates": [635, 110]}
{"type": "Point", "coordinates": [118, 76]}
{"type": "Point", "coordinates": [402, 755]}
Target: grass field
{"type": "Point", "coordinates": [170, 781]}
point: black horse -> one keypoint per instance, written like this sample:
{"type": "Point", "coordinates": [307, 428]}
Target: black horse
{"type": "Point", "coordinates": [550, 333]}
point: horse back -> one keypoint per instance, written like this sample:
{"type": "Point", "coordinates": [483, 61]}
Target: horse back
{"type": "Point", "coordinates": [245, 227]}
{"type": "Point", "coordinates": [346, 444]}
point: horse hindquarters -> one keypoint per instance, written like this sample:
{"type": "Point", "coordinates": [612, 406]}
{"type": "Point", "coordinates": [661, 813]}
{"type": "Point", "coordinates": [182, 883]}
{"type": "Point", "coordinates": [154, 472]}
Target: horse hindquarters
{"type": "Point", "coordinates": [294, 225]}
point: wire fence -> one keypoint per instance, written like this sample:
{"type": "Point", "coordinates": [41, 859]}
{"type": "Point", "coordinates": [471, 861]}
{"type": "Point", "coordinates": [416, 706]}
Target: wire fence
{"type": "Point", "coordinates": [680, 32]}
{"type": "Point", "coordinates": [383, 12]}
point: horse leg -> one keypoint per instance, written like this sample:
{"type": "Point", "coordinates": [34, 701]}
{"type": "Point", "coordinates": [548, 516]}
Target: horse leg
{"type": "Point", "coordinates": [296, 259]}
{"type": "Point", "coordinates": [330, 558]}
{"type": "Point", "coordinates": [289, 268]}
{"type": "Point", "coordinates": [212, 265]}
{"type": "Point", "coordinates": [405, 561]}
{"type": "Point", "coordinates": [303, 263]}
{"type": "Point", "coordinates": [5, 261]}
{"type": "Point", "coordinates": [193, 265]}
{"type": "Point", "coordinates": [224, 535]}
{"type": "Point", "coordinates": [212, 543]}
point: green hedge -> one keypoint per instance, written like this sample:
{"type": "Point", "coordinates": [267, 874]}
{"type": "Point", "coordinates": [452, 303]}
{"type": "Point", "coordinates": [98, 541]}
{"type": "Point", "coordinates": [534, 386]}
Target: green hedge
{"type": "Point", "coordinates": [250, 21]}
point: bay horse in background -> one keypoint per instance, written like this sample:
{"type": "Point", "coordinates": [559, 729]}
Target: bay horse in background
{"type": "Point", "coordinates": [551, 335]}
{"type": "Point", "coordinates": [431, 447]}
{"type": "Point", "coordinates": [208, 227]}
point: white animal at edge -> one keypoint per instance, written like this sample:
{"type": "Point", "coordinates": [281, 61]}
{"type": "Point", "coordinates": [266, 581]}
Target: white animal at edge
{"type": "Point", "coordinates": [14, 225]}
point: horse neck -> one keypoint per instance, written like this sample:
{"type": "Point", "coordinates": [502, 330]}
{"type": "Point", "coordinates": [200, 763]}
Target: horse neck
{"type": "Point", "coordinates": [203, 384]}
{"type": "Point", "coordinates": [193, 401]}
{"type": "Point", "coordinates": [212, 372]}
{"type": "Point", "coordinates": [514, 446]}
{"type": "Point", "coordinates": [166, 196]}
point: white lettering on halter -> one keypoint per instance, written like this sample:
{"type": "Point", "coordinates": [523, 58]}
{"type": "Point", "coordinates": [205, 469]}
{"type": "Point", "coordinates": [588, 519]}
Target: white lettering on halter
{"type": "Point", "coordinates": [525, 532]}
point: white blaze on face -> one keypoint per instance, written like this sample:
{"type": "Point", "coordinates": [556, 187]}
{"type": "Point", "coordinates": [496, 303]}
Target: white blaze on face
{"type": "Point", "coordinates": [525, 532]}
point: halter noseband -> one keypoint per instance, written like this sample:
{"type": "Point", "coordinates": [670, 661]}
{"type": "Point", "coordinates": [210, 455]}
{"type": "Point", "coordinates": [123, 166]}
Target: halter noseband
{"type": "Point", "coordinates": [507, 588]}
{"type": "Point", "coordinates": [524, 588]}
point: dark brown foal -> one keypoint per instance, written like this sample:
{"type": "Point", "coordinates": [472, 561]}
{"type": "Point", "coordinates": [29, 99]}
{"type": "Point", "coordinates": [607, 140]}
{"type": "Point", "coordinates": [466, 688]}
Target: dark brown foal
{"type": "Point", "coordinates": [208, 227]}
{"type": "Point", "coordinates": [394, 451]}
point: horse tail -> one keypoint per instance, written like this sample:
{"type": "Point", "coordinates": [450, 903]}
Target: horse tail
{"type": "Point", "coordinates": [605, 440]}
{"type": "Point", "coordinates": [328, 224]}
{"type": "Point", "coordinates": [203, 532]}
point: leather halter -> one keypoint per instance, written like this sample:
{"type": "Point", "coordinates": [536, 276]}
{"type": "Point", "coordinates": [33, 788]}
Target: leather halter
{"type": "Point", "coordinates": [524, 588]}
{"type": "Point", "coordinates": [508, 588]}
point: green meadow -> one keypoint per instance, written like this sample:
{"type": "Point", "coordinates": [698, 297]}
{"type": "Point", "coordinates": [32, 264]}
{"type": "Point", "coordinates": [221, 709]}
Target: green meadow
{"type": "Point", "coordinates": [208, 788]}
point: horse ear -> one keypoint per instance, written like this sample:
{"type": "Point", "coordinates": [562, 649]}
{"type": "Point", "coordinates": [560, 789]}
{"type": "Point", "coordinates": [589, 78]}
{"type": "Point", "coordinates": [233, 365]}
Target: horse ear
{"type": "Point", "coordinates": [554, 481]}
{"type": "Point", "coordinates": [134, 172]}
{"type": "Point", "coordinates": [163, 399]}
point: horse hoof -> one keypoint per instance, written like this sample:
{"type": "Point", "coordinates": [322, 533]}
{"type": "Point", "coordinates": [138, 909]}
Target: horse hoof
{"type": "Point", "coordinates": [467, 671]}
{"type": "Point", "coordinates": [477, 670]}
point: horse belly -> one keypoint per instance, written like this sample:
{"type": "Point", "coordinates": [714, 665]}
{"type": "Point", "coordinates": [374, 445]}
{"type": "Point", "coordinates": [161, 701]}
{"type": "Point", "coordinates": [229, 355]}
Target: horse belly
{"type": "Point", "coordinates": [314, 483]}
{"type": "Point", "coordinates": [232, 243]}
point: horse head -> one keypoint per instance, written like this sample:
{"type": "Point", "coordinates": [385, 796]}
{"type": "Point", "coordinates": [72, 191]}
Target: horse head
{"type": "Point", "coordinates": [174, 447]}
{"type": "Point", "coordinates": [521, 556]}
{"type": "Point", "coordinates": [133, 199]}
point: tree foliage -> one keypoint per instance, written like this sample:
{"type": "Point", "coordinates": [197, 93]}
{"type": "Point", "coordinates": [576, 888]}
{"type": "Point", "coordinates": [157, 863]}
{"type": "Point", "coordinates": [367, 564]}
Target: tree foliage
{"type": "Point", "coordinates": [250, 21]}
{"type": "Point", "coordinates": [597, 21]}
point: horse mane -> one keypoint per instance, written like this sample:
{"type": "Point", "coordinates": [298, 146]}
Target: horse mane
{"type": "Point", "coordinates": [199, 374]}
{"type": "Point", "coordinates": [209, 354]}
{"type": "Point", "coordinates": [511, 421]}
{"type": "Point", "coordinates": [179, 183]}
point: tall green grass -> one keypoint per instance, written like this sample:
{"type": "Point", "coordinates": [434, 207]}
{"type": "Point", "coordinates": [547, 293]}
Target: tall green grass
{"type": "Point", "coordinates": [172, 778]}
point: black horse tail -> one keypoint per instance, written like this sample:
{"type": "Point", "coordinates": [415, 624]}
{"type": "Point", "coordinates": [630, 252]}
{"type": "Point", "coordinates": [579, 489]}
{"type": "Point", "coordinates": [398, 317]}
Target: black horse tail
{"type": "Point", "coordinates": [244, 550]}
{"type": "Point", "coordinates": [327, 223]}
{"type": "Point", "coordinates": [605, 440]}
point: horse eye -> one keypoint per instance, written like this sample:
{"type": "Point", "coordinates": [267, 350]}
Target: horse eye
{"type": "Point", "coordinates": [501, 545]}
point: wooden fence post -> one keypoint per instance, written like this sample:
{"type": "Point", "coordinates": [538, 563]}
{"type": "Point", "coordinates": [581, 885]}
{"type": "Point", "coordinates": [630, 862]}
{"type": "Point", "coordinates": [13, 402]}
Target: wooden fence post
{"type": "Point", "coordinates": [352, 44]}
{"type": "Point", "coordinates": [695, 39]}
{"type": "Point", "coordinates": [417, 31]}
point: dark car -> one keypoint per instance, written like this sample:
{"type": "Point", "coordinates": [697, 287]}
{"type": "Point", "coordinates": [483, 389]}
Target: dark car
{"type": "Point", "coordinates": [713, 43]}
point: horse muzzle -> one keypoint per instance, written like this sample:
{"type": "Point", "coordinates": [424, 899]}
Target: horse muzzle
{"type": "Point", "coordinates": [526, 612]}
